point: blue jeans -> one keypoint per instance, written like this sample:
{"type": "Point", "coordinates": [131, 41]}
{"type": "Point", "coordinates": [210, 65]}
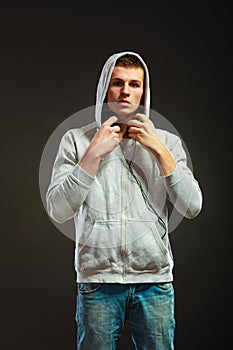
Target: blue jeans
{"type": "Point", "coordinates": [102, 309]}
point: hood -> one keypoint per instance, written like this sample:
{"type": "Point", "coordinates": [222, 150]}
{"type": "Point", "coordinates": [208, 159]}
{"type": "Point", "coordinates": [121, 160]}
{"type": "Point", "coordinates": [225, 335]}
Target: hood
{"type": "Point", "coordinates": [104, 80]}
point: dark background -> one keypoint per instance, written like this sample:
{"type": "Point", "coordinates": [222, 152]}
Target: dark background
{"type": "Point", "coordinates": [51, 58]}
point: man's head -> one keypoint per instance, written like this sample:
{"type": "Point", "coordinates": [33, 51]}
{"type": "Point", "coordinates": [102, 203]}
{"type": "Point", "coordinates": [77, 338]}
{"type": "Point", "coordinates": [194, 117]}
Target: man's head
{"type": "Point", "coordinates": [129, 61]}
{"type": "Point", "coordinates": [126, 87]}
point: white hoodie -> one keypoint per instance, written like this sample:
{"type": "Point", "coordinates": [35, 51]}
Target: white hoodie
{"type": "Point", "coordinates": [121, 214]}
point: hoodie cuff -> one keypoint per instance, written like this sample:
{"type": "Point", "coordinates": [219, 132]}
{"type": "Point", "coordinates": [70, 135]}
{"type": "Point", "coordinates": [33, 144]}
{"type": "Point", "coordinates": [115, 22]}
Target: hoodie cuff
{"type": "Point", "coordinates": [173, 178]}
{"type": "Point", "coordinates": [82, 177]}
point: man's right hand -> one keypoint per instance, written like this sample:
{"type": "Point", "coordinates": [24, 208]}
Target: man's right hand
{"type": "Point", "coordinates": [103, 142]}
{"type": "Point", "coordinates": [106, 138]}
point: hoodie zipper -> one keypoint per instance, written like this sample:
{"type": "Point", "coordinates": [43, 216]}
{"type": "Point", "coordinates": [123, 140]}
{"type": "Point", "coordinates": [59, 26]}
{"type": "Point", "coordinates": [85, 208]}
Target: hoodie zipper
{"type": "Point", "coordinates": [124, 202]}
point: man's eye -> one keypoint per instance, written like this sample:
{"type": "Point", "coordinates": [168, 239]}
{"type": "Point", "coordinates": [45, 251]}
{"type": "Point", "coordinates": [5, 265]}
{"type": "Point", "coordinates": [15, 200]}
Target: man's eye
{"type": "Point", "coordinates": [117, 83]}
{"type": "Point", "coordinates": [134, 85]}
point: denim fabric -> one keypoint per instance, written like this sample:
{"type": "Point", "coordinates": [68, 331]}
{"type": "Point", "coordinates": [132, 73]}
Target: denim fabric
{"type": "Point", "coordinates": [102, 309]}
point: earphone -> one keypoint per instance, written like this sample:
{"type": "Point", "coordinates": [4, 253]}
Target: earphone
{"type": "Point", "coordinates": [145, 196]}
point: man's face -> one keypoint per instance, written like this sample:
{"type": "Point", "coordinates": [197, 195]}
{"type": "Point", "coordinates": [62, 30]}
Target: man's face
{"type": "Point", "coordinates": [125, 91]}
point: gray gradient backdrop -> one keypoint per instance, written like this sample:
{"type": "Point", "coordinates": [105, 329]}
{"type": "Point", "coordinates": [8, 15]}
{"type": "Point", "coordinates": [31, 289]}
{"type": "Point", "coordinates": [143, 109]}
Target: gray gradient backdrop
{"type": "Point", "coordinates": [51, 58]}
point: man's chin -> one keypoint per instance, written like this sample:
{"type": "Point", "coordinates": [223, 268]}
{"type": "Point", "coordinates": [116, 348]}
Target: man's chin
{"type": "Point", "coordinates": [123, 112]}
{"type": "Point", "coordinates": [125, 117]}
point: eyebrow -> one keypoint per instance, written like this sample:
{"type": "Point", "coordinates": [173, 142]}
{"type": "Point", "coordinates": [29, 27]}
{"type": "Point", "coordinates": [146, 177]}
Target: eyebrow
{"type": "Point", "coordinates": [133, 81]}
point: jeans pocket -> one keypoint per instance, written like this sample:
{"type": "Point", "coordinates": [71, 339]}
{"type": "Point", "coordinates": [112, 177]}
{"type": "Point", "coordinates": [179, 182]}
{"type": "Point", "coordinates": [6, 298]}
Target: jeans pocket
{"type": "Point", "coordinates": [165, 286]}
{"type": "Point", "coordinates": [85, 288]}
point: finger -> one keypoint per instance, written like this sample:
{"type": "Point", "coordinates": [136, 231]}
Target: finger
{"type": "Point", "coordinates": [116, 135]}
{"type": "Point", "coordinates": [141, 117]}
{"type": "Point", "coordinates": [134, 129]}
{"type": "Point", "coordinates": [110, 120]}
{"type": "Point", "coordinates": [135, 122]}
{"type": "Point", "coordinates": [133, 135]}
{"type": "Point", "coordinates": [116, 128]}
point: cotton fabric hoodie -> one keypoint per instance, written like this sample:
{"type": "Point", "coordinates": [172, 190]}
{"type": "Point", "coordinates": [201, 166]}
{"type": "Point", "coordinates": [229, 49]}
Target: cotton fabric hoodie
{"type": "Point", "coordinates": [121, 214]}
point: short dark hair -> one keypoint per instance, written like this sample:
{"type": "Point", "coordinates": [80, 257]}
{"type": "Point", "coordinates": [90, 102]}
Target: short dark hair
{"type": "Point", "coordinates": [129, 60]}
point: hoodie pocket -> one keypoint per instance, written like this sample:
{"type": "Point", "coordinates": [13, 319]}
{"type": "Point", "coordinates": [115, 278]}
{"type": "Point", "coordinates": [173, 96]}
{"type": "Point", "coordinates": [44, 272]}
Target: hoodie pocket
{"type": "Point", "coordinates": [158, 239]}
{"type": "Point", "coordinates": [102, 234]}
{"type": "Point", "coordinates": [148, 252]}
{"type": "Point", "coordinates": [100, 250]}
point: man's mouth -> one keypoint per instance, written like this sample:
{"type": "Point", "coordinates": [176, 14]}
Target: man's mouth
{"type": "Point", "coordinates": [124, 103]}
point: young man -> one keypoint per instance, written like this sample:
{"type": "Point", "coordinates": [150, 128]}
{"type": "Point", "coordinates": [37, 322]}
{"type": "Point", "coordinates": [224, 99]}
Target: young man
{"type": "Point", "coordinates": [116, 182]}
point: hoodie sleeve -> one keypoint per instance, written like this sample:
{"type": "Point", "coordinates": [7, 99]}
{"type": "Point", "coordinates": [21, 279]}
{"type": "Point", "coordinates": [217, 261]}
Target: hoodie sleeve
{"type": "Point", "coordinates": [69, 183]}
{"type": "Point", "coordinates": [183, 189]}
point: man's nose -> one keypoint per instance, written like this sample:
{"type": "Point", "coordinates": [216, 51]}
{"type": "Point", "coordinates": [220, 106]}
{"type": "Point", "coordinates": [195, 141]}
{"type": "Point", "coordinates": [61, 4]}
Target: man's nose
{"type": "Point", "coordinates": [125, 89]}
